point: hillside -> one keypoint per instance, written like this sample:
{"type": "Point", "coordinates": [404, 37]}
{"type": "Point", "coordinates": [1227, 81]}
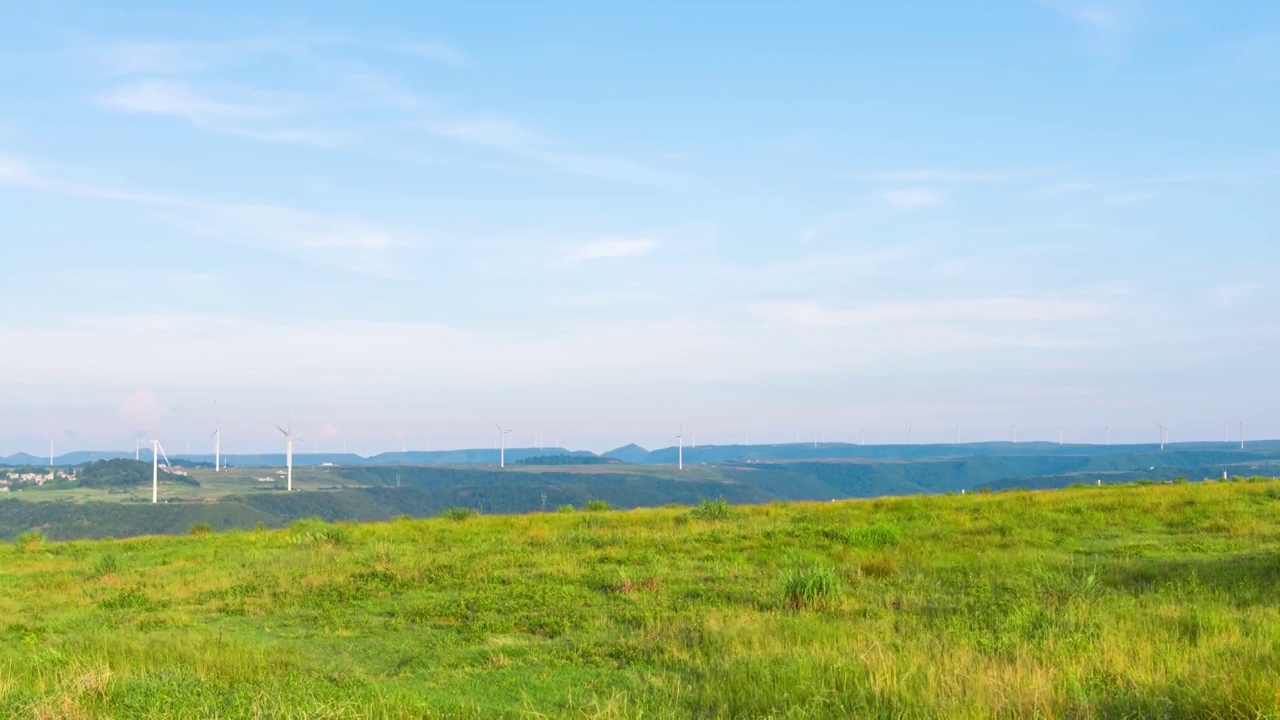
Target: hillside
{"type": "Point", "coordinates": [240, 499]}
{"type": "Point", "coordinates": [1119, 601]}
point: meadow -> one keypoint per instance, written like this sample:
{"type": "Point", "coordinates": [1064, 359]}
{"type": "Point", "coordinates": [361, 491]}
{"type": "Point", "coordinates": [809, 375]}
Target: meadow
{"type": "Point", "coordinates": [1137, 600]}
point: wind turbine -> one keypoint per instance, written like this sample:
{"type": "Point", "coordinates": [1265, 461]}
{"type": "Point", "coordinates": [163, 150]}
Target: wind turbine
{"type": "Point", "coordinates": [1162, 435]}
{"type": "Point", "coordinates": [217, 449]}
{"type": "Point", "coordinates": [289, 437]}
{"type": "Point", "coordinates": [137, 447]}
{"type": "Point", "coordinates": [502, 446]}
{"type": "Point", "coordinates": [680, 450]}
{"type": "Point", "coordinates": [1241, 434]}
{"type": "Point", "coordinates": [156, 451]}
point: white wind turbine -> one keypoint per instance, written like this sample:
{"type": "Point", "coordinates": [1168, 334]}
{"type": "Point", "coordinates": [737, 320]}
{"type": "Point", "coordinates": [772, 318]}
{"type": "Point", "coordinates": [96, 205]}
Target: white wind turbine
{"type": "Point", "coordinates": [289, 437]}
{"type": "Point", "coordinates": [502, 446]}
{"type": "Point", "coordinates": [157, 450]}
{"type": "Point", "coordinates": [217, 448]}
{"type": "Point", "coordinates": [680, 449]}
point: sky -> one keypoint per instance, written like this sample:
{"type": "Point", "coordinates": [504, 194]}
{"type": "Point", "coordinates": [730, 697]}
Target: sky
{"type": "Point", "coordinates": [403, 223]}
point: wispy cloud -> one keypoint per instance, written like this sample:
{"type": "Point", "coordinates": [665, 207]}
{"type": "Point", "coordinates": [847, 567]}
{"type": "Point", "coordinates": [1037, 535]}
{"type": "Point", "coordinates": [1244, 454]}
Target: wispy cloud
{"type": "Point", "coordinates": [1107, 23]}
{"type": "Point", "coordinates": [1126, 198]}
{"type": "Point", "coordinates": [435, 50]}
{"type": "Point", "coordinates": [516, 140]}
{"type": "Point", "coordinates": [161, 97]}
{"type": "Point", "coordinates": [325, 238]}
{"type": "Point", "coordinates": [1225, 297]}
{"type": "Point", "coordinates": [611, 248]}
{"type": "Point", "coordinates": [815, 314]}
{"type": "Point", "coordinates": [251, 114]}
{"type": "Point", "coordinates": [911, 199]}
{"type": "Point", "coordinates": [955, 177]}
{"type": "Point", "coordinates": [153, 58]}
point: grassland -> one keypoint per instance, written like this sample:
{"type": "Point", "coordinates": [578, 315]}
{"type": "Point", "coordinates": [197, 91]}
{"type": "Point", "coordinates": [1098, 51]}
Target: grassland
{"type": "Point", "coordinates": [1151, 601]}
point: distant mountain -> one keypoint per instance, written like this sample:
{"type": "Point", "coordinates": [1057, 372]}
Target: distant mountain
{"type": "Point", "coordinates": [632, 453]}
{"type": "Point", "coordinates": [1182, 453]}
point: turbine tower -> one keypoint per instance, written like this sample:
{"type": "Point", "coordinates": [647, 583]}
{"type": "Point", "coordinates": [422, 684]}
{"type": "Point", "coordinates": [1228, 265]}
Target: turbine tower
{"type": "Point", "coordinates": [502, 446]}
{"type": "Point", "coordinates": [680, 449]}
{"type": "Point", "coordinates": [157, 450]}
{"type": "Point", "coordinates": [289, 437]}
{"type": "Point", "coordinates": [217, 449]}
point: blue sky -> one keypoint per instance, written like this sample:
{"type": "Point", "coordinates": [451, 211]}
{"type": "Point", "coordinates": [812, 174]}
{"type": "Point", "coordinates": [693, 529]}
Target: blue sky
{"type": "Point", "coordinates": [598, 221]}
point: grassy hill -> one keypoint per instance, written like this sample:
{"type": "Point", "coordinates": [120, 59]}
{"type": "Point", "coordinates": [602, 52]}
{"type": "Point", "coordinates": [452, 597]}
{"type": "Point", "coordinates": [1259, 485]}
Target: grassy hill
{"type": "Point", "coordinates": [1119, 601]}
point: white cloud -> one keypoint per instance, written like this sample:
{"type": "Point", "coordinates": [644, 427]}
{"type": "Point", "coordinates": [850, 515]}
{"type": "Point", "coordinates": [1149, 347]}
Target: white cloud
{"type": "Point", "coordinates": [1108, 23]}
{"type": "Point", "coordinates": [954, 177]}
{"type": "Point", "coordinates": [815, 314]}
{"type": "Point", "coordinates": [140, 411]}
{"type": "Point", "coordinates": [16, 172]}
{"type": "Point", "coordinates": [512, 138]}
{"type": "Point", "coordinates": [911, 199]}
{"type": "Point", "coordinates": [162, 97]}
{"type": "Point", "coordinates": [607, 248]}
{"type": "Point", "coordinates": [1228, 296]}
{"type": "Point", "coordinates": [434, 50]}
{"type": "Point", "coordinates": [136, 57]}
{"type": "Point", "coordinates": [1122, 199]}
{"type": "Point", "coordinates": [329, 239]}
{"type": "Point", "coordinates": [252, 114]}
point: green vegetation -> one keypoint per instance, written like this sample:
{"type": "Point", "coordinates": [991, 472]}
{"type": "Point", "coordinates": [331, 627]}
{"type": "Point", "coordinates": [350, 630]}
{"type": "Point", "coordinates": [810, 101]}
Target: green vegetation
{"type": "Point", "coordinates": [569, 459]}
{"type": "Point", "coordinates": [125, 473]}
{"type": "Point", "coordinates": [718, 509]}
{"type": "Point", "coordinates": [459, 513]}
{"type": "Point", "coordinates": [1115, 601]}
{"type": "Point", "coordinates": [812, 585]}
{"type": "Point", "coordinates": [597, 506]}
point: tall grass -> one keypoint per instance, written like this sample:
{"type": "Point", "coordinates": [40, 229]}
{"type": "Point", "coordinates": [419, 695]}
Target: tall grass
{"type": "Point", "coordinates": [1119, 601]}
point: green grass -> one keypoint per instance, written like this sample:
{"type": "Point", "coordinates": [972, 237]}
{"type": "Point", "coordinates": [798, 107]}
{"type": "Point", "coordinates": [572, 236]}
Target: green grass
{"type": "Point", "coordinates": [1156, 601]}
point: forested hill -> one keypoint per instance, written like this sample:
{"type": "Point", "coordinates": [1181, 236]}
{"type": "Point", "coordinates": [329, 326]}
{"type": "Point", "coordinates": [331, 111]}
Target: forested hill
{"type": "Point", "coordinates": [381, 492]}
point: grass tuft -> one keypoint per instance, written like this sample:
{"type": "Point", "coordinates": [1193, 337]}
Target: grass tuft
{"type": "Point", "coordinates": [717, 509]}
{"type": "Point", "coordinates": [459, 514]}
{"type": "Point", "coordinates": [315, 531]}
{"type": "Point", "coordinates": [30, 540]}
{"type": "Point", "coordinates": [811, 586]}
{"type": "Point", "coordinates": [597, 506]}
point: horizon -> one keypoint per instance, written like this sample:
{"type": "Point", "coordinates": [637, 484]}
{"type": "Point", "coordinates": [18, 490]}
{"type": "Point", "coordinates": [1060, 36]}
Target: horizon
{"type": "Point", "coordinates": [526, 449]}
{"type": "Point", "coordinates": [596, 222]}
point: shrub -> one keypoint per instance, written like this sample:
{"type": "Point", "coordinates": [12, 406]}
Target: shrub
{"type": "Point", "coordinates": [811, 586]}
{"type": "Point", "coordinates": [565, 509]}
{"type": "Point", "coordinates": [31, 539]}
{"type": "Point", "coordinates": [106, 565]}
{"type": "Point", "coordinates": [201, 529]}
{"type": "Point", "coordinates": [315, 531]}
{"type": "Point", "coordinates": [458, 514]}
{"type": "Point", "coordinates": [717, 509]}
{"type": "Point", "coordinates": [597, 506]}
